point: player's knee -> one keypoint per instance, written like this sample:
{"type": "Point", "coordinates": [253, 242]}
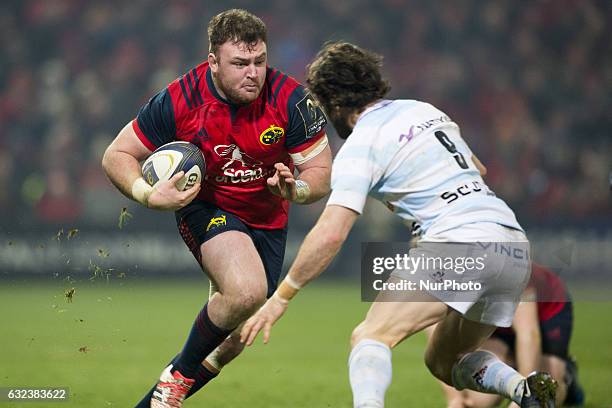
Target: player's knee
{"type": "Point", "coordinates": [370, 332]}
{"type": "Point", "coordinates": [244, 304]}
{"type": "Point", "coordinates": [357, 334]}
{"type": "Point", "coordinates": [250, 302]}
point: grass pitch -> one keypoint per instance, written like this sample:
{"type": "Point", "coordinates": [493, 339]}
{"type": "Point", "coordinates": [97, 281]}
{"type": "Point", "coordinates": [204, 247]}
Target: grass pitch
{"type": "Point", "coordinates": [111, 342]}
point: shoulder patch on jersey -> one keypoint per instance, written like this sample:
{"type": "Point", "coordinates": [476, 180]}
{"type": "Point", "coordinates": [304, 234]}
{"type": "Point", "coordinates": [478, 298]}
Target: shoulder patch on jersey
{"type": "Point", "coordinates": [312, 115]}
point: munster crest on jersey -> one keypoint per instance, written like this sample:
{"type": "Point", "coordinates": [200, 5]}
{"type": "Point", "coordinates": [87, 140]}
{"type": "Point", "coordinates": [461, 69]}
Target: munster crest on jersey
{"type": "Point", "coordinates": [271, 135]}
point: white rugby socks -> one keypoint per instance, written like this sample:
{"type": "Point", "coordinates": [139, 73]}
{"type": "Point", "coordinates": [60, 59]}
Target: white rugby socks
{"type": "Point", "coordinates": [370, 373]}
{"type": "Point", "coordinates": [483, 371]}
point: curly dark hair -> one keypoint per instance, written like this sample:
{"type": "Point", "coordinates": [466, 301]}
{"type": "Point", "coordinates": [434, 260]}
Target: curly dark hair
{"type": "Point", "coordinates": [236, 25]}
{"type": "Point", "coordinates": [344, 76]}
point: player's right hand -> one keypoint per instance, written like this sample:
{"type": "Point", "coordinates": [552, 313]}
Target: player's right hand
{"type": "Point", "coordinates": [165, 195]}
{"type": "Point", "coordinates": [282, 183]}
{"type": "Point", "coordinates": [265, 317]}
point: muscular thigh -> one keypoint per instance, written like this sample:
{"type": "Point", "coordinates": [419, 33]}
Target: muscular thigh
{"type": "Point", "coordinates": [232, 262]}
{"type": "Point", "coordinates": [223, 246]}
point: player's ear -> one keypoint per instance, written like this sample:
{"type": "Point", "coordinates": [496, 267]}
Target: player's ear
{"type": "Point", "coordinates": [352, 117]}
{"type": "Point", "coordinates": [213, 61]}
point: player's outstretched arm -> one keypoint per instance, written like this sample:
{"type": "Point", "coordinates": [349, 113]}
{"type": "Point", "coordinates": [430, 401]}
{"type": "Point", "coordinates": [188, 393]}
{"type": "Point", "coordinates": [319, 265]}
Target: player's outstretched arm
{"type": "Point", "coordinates": [121, 164]}
{"type": "Point", "coordinates": [317, 251]}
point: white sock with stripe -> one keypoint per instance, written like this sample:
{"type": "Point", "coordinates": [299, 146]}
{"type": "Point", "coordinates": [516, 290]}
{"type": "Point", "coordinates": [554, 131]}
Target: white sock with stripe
{"type": "Point", "coordinates": [483, 371]}
{"type": "Point", "coordinates": [370, 373]}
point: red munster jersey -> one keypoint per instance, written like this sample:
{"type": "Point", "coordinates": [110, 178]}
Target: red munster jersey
{"type": "Point", "coordinates": [242, 143]}
{"type": "Point", "coordinates": [551, 292]}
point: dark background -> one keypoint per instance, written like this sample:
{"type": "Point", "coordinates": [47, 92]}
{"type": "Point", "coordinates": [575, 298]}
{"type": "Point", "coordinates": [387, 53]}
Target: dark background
{"type": "Point", "coordinates": [528, 82]}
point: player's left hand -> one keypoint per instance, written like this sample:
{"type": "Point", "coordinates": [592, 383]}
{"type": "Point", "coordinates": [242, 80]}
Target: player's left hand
{"type": "Point", "coordinates": [265, 317]}
{"type": "Point", "coordinates": [282, 183]}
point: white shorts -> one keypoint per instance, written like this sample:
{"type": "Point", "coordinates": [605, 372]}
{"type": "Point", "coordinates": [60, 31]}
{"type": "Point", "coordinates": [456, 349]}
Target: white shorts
{"type": "Point", "coordinates": [487, 291]}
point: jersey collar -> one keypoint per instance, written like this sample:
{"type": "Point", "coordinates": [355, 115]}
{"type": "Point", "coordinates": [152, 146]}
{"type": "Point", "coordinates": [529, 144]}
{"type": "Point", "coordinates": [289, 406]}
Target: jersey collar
{"type": "Point", "coordinates": [380, 104]}
{"type": "Point", "coordinates": [211, 85]}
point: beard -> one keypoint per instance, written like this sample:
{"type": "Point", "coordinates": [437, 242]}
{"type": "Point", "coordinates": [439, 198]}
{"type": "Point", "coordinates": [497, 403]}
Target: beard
{"type": "Point", "coordinates": [241, 98]}
{"type": "Point", "coordinates": [237, 96]}
{"type": "Point", "coordinates": [339, 119]}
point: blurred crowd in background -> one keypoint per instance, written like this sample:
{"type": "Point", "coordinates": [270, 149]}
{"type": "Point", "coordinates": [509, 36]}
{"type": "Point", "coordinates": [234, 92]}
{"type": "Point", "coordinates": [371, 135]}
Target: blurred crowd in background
{"type": "Point", "coordinates": [530, 84]}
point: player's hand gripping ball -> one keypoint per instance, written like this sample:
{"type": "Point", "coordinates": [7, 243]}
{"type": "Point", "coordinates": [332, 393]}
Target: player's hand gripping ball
{"type": "Point", "coordinates": [172, 158]}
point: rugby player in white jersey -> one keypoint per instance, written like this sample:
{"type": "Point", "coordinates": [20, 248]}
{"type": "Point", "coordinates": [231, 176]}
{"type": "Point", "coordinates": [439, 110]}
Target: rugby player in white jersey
{"type": "Point", "coordinates": [410, 156]}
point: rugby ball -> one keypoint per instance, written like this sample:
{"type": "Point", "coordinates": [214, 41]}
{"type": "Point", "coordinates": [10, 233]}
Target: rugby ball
{"type": "Point", "coordinates": [172, 158]}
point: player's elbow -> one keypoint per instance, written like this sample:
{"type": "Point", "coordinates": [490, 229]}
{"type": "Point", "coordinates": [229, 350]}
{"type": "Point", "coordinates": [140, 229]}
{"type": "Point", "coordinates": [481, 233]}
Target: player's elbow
{"type": "Point", "coordinates": [333, 238]}
{"type": "Point", "coordinates": [107, 159]}
{"type": "Point", "coordinates": [334, 226]}
{"type": "Point", "coordinates": [336, 240]}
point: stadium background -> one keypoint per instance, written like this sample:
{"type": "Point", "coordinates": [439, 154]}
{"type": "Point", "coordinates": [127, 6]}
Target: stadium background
{"type": "Point", "coordinates": [529, 83]}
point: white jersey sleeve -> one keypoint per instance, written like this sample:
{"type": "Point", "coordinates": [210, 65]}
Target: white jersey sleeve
{"type": "Point", "coordinates": [357, 168]}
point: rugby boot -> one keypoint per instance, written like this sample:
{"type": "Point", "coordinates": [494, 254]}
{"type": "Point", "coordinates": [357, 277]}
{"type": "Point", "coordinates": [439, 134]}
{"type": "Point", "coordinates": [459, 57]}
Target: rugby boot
{"type": "Point", "coordinates": [540, 390]}
{"type": "Point", "coordinates": [171, 389]}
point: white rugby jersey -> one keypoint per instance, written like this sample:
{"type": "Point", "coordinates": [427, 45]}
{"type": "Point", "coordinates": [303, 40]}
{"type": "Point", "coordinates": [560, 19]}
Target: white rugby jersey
{"type": "Point", "coordinates": [410, 156]}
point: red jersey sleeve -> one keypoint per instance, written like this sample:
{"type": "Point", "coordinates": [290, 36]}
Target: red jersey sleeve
{"type": "Point", "coordinates": [155, 124]}
{"type": "Point", "coordinates": [161, 118]}
{"type": "Point", "coordinates": [306, 120]}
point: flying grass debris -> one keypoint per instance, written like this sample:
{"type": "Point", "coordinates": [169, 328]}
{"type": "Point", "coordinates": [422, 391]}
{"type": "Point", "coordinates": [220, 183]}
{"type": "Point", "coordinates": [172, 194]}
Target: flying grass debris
{"type": "Point", "coordinates": [124, 217]}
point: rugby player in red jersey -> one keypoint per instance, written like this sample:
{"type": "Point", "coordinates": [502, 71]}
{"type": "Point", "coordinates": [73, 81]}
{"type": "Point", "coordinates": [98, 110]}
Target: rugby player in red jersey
{"type": "Point", "coordinates": [254, 125]}
{"type": "Point", "coordinates": [538, 340]}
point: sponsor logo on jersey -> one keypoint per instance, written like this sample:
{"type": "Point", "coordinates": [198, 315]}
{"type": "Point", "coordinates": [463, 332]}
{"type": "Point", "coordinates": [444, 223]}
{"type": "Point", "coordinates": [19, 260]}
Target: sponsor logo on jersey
{"type": "Point", "coordinates": [239, 168]}
{"type": "Point", "coordinates": [233, 154]}
{"type": "Point", "coordinates": [432, 122]}
{"type": "Point", "coordinates": [234, 176]}
{"type": "Point", "coordinates": [216, 222]}
{"type": "Point", "coordinates": [420, 128]}
{"type": "Point", "coordinates": [271, 135]}
{"type": "Point", "coordinates": [518, 250]}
